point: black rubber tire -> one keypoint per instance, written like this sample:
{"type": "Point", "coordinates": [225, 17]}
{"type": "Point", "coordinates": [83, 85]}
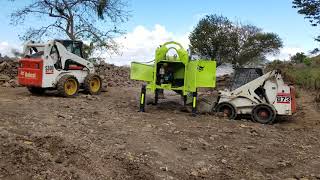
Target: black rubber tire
{"type": "Point", "coordinates": [87, 87]}
{"type": "Point", "coordinates": [225, 106]}
{"type": "Point", "coordinates": [61, 86]}
{"type": "Point", "coordinates": [36, 90]}
{"type": "Point", "coordinates": [270, 114]}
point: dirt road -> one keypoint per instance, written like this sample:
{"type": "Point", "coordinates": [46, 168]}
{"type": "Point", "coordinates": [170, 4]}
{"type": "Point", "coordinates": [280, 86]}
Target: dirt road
{"type": "Point", "coordinates": [104, 137]}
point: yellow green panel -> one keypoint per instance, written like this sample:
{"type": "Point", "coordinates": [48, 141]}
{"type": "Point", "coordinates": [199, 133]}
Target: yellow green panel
{"type": "Point", "coordinates": [191, 81]}
{"type": "Point", "coordinates": [206, 73]}
{"type": "Point", "coordinates": [141, 72]}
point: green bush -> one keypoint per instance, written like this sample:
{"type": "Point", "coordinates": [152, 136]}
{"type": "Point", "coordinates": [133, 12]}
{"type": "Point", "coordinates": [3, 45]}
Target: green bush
{"type": "Point", "coordinates": [307, 61]}
{"type": "Point", "coordinates": [316, 61]}
{"type": "Point", "coordinates": [308, 77]}
{"type": "Point", "coordinates": [276, 64]}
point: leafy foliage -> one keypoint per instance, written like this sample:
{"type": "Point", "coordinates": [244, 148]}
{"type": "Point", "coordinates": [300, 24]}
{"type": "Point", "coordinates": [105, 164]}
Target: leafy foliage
{"type": "Point", "coordinates": [216, 37]}
{"type": "Point", "coordinates": [310, 9]}
{"type": "Point", "coordinates": [307, 77]}
{"type": "Point", "coordinates": [307, 61]}
{"type": "Point", "coordinates": [93, 21]}
{"type": "Point", "coordinates": [316, 61]}
{"type": "Point", "coordinates": [298, 57]}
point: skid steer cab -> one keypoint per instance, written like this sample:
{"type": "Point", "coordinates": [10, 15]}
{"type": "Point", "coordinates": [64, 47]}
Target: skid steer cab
{"type": "Point", "coordinates": [173, 70]}
{"type": "Point", "coordinates": [57, 65]}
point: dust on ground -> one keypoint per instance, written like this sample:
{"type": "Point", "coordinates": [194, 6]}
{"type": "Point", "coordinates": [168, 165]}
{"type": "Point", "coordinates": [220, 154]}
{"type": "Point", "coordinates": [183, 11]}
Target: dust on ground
{"type": "Point", "coordinates": [104, 137]}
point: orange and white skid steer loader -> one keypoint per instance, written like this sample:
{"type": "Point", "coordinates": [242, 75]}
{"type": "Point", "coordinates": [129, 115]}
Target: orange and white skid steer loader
{"type": "Point", "coordinates": [57, 65]}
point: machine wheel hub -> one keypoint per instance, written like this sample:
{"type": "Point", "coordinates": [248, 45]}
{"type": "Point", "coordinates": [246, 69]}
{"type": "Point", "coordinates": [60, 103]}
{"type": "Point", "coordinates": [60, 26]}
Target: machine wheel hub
{"type": "Point", "coordinates": [71, 87]}
{"type": "Point", "coordinates": [226, 112]}
{"type": "Point", "coordinates": [264, 113]}
{"type": "Point", "coordinates": [227, 109]}
{"type": "Point", "coordinates": [95, 84]}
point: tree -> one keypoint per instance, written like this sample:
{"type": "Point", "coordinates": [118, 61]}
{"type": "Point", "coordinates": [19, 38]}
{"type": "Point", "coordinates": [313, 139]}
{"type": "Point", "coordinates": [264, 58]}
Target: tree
{"type": "Point", "coordinates": [216, 37]}
{"type": "Point", "coordinates": [212, 38]}
{"type": "Point", "coordinates": [310, 9]}
{"type": "Point", "coordinates": [93, 21]}
{"type": "Point", "coordinates": [298, 58]}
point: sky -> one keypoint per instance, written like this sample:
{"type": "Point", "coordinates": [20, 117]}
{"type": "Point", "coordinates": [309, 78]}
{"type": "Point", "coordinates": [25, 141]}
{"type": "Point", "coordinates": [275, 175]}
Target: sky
{"type": "Point", "coordinates": [154, 22]}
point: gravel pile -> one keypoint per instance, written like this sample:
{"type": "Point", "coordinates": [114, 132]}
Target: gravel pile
{"type": "Point", "coordinates": [116, 76]}
{"type": "Point", "coordinates": [8, 72]}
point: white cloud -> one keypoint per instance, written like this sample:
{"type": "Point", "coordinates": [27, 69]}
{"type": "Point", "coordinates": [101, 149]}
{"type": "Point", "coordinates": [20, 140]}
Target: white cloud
{"type": "Point", "coordinates": [286, 53]}
{"type": "Point", "coordinates": [6, 48]}
{"type": "Point", "coordinates": [141, 43]}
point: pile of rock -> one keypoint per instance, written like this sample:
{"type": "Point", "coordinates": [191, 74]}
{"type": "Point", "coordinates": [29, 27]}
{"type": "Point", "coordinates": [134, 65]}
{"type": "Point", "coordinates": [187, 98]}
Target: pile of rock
{"type": "Point", "coordinates": [116, 76]}
{"type": "Point", "coordinates": [223, 82]}
{"type": "Point", "coordinates": [8, 72]}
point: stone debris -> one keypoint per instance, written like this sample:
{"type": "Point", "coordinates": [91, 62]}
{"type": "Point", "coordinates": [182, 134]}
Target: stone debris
{"type": "Point", "coordinates": [223, 82]}
{"type": "Point", "coordinates": [8, 72]}
{"type": "Point", "coordinates": [116, 76]}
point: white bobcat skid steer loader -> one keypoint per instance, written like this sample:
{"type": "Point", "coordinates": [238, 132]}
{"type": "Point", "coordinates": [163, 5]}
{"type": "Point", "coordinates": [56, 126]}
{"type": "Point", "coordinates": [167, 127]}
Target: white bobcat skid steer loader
{"type": "Point", "coordinates": [59, 65]}
{"type": "Point", "coordinates": [263, 98]}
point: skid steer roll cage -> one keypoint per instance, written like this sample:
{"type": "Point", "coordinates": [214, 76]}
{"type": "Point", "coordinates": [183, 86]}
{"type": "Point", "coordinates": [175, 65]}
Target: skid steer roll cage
{"type": "Point", "coordinates": [248, 90]}
{"type": "Point", "coordinates": [64, 54]}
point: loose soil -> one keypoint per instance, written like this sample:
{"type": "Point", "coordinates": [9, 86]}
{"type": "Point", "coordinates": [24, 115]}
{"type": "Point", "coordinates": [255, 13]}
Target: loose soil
{"type": "Point", "coordinates": [104, 137]}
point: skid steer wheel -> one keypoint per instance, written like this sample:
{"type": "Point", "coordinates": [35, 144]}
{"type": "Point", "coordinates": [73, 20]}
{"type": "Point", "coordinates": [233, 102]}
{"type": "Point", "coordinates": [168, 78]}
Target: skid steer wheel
{"type": "Point", "coordinates": [68, 86]}
{"type": "Point", "coordinates": [93, 84]}
{"type": "Point", "coordinates": [227, 109]}
{"type": "Point", "coordinates": [264, 114]}
{"type": "Point", "coordinates": [36, 90]}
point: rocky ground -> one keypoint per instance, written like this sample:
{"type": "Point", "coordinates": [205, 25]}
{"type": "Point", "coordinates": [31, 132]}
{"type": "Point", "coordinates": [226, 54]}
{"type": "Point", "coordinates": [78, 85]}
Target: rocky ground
{"type": "Point", "coordinates": [104, 137]}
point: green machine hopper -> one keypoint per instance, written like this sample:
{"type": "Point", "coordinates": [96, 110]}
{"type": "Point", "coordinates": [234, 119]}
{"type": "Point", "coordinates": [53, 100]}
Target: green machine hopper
{"type": "Point", "coordinates": [176, 73]}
